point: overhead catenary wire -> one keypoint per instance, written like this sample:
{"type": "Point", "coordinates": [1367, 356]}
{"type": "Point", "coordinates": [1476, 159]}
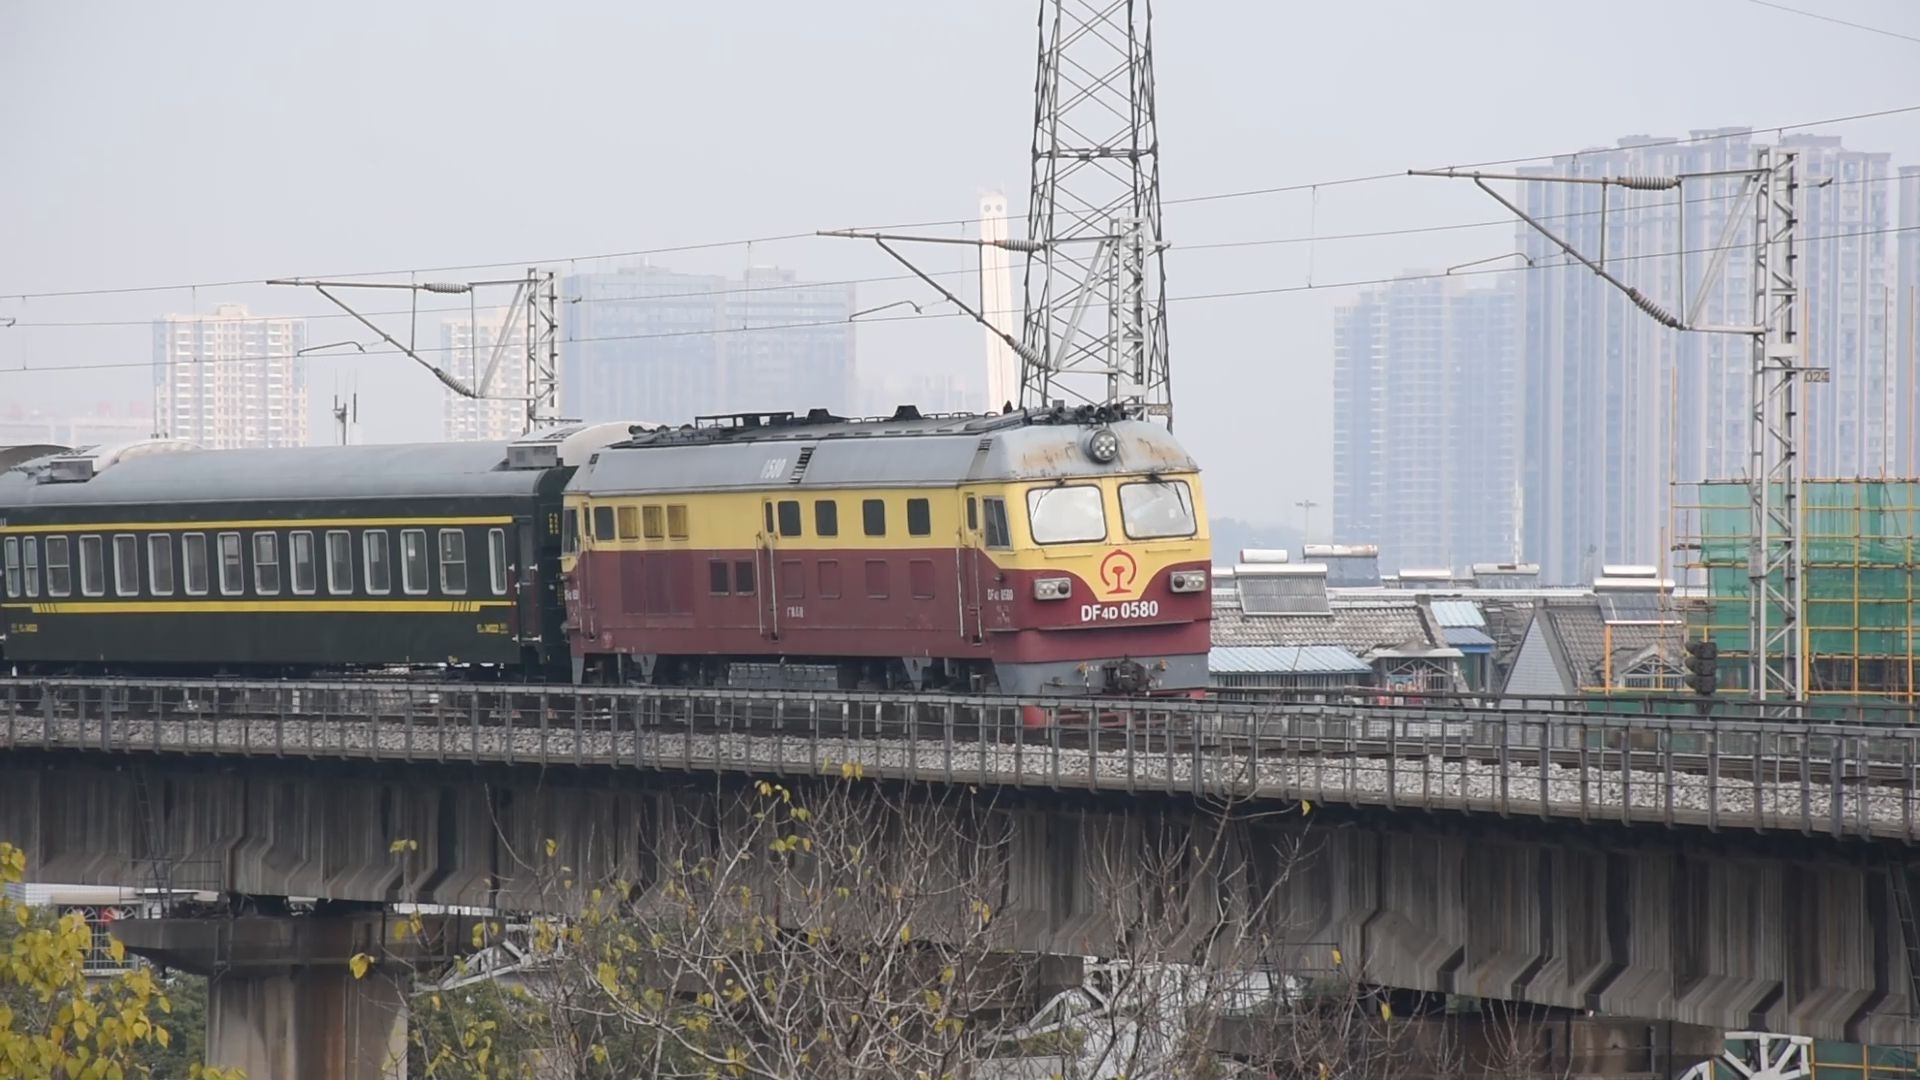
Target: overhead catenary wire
{"type": "Point", "coordinates": [1308, 238]}
{"type": "Point", "coordinates": [1231, 294]}
{"type": "Point", "coordinates": [797, 235]}
{"type": "Point", "coordinates": [1836, 21]}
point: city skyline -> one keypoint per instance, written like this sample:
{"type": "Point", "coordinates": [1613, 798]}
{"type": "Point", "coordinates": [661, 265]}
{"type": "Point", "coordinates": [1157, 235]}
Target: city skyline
{"type": "Point", "coordinates": [229, 380]}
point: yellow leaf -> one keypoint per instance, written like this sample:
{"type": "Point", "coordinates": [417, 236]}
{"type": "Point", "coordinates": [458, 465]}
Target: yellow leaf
{"type": "Point", "coordinates": [400, 931]}
{"type": "Point", "coordinates": [1386, 1011]}
{"type": "Point", "coordinates": [1336, 958]}
{"type": "Point", "coordinates": [1306, 806]}
{"type": "Point", "coordinates": [906, 933]}
{"type": "Point", "coordinates": [21, 915]}
{"type": "Point", "coordinates": [551, 847]}
{"type": "Point", "coordinates": [116, 949]}
{"type": "Point", "coordinates": [599, 1054]}
{"type": "Point", "coordinates": [161, 1034]}
{"type": "Point", "coordinates": [360, 964]}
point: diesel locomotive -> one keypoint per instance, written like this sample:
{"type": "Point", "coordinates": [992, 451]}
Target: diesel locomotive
{"type": "Point", "coordinates": [1039, 552]}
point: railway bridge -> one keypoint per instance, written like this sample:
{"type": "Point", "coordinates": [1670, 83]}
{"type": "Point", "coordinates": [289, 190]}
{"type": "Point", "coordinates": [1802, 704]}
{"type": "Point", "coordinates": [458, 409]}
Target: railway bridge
{"type": "Point", "coordinates": [1723, 870]}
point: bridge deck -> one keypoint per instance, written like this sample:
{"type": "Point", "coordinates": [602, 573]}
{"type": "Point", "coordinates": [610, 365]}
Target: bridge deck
{"type": "Point", "coordinates": [1838, 780]}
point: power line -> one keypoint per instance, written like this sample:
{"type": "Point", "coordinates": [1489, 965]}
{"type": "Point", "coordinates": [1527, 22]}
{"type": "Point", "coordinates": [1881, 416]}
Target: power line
{"type": "Point", "coordinates": [1838, 22]}
{"type": "Point", "coordinates": [779, 237]}
{"type": "Point", "coordinates": [1278, 290]}
{"type": "Point", "coordinates": [1308, 238]}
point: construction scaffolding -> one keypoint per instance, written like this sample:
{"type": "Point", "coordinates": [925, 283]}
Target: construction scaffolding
{"type": "Point", "coordinates": [1861, 542]}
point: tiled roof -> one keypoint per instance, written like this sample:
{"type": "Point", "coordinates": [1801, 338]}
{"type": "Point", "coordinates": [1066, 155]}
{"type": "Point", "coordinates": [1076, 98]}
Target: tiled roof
{"type": "Point", "coordinates": [1284, 660]}
{"type": "Point", "coordinates": [1583, 638]}
{"type": "Point", "coordinates": [1358, 628]}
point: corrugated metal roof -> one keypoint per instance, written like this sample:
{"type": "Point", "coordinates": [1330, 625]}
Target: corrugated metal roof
{"type": "Point", "coordinates": [1468, 638]}
{"type": "Point", "coordinates": [1457, 613]}
{"type": "Point", "coordinates": [1285, 660]}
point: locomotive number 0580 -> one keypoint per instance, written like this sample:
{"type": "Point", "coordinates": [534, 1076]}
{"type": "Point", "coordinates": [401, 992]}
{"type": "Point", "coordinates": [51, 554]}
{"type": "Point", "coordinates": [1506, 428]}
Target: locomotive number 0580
{"type": "Point", "coordinates": [1132, 609]}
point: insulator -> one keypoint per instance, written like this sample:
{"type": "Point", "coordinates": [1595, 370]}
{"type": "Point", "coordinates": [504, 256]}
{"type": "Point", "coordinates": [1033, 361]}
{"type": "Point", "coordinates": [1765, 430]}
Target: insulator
{"type": "Point", "coordinates": [1660, 314]}
{"type": "Point", "coordinates": [1016, 244]}
{"type": "Point", "coordinates": [1648, 183]}
{"type": "Point", "coordinates": [446, 287]}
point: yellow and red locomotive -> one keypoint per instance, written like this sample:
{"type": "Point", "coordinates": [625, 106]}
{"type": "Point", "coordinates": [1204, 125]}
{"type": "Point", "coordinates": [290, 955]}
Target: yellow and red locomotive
{"type": "Point", "coordinates": [1033, 552]}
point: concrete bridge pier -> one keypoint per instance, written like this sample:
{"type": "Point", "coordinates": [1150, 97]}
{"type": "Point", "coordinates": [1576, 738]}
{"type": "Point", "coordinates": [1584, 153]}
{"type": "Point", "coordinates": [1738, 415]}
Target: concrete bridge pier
{"type": "Point", "coordinates": [283, 1003]}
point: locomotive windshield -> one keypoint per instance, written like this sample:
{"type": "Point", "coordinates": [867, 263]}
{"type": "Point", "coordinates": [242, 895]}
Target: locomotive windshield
{"type": "Point", "coordinates": [1157, 509]}
{"type": "Point", "coordinates": [1066, 515]}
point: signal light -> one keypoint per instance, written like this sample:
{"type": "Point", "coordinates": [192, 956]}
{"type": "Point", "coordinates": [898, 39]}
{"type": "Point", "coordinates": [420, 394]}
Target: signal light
{"type": "Point", "coordinates": [1703, 667]}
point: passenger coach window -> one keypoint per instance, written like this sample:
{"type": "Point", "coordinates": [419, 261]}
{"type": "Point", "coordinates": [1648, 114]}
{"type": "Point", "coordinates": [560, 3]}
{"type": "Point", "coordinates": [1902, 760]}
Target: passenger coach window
{"type": "Point", "coordinates": [1066, 515]}
{"type": "Point", "coordinates": [13, 566]}
{"type": "Point", "coordinates": [1153, 510]}
{"type": "Point", "coordinates": [126, 565]}
{"type": "Point", "coordinates": [497, 561]}
{"type": "Point", "coordinates": [160, 563]}
{"type": "Point", "coordinates": [676, 522]}
{"type": "Point", "coordinates": [789, 517]}
{"type": "Point", "coordinates": [603, 523]}
{"type": "Point", "coordinates": [873, 514]}
{"type": "Point", "coordinates": [30, 564]}
{"type": "Point", "coordinates": [652, 523]}
{"type": "Point", "coordinates": [379, 564]}
{"type": "Point", "coordinates": [627, 522]}
{"type": "Point", "coordinates": [339, 562]}
{"type": "Point", "coordinates": [826, 517]}
{"type": "Point", "coordinates": [306, 575]}
{"type": "Point", "coordinates": [233, 570]}
{"type": "Point", "coordinates": [453, 562]}
{"type": "Point", "coordinates": [413, 561]}
{"type": "Point", "coordinates": [998, 535]}
{"type": "Point", "coordinates": [59, 566]}
{"type": "Point", "coordinates": [266, 564]}
{"type": "Point", "coordinates": [93, 567]}
{"type": "Point", "coordinates": [919, 518]}
{"type": "Point", "coordinates": [193, 559]}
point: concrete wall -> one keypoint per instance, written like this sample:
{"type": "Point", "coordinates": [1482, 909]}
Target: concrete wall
{"type": "Point", "coordinates": [1774, 933]}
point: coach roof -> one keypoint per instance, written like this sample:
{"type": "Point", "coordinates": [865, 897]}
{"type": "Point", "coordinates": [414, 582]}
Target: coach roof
{"type": "Point", "coordinates": [186, 476]}
{"type": "Point", "coordinates": [894, 452]}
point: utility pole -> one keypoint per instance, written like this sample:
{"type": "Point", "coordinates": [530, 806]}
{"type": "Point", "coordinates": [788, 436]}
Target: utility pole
{"type": "Point", "coordinates": [1093, 226]}
{"type": "Point", "coordinates": [1306, 521]}
{"type": "Point", "coordinates": [1766, 203]}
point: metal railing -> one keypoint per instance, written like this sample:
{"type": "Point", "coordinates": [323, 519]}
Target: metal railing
{"type": "Point", "coordinates": [1453, 754]}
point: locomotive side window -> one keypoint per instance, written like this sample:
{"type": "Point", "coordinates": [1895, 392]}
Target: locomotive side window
{"type": "Point", "coordinates": [93, 567]}
{"type": "Point", "coordinates": [13, 566]}
{"type": "Point", "coordinates": [30, 564]}
{"type": "Point", "coordinates": [570, 532]}
{"type": "Point", "coordinates": [676, 521]}
{"type": "Point", "coordinates": [126, 565]}
{"type": "Point", "coordinates": [497, 561]}
{"type": "Point", "coordinates": [59, 566]}
{"type": "Point", "coordinates": [919, 518]}
{"type": "Point", "coordinates": [652, 523]}
{"type": "Point", "coordinates": [413, 561]}
{"type": "Point", "coordinates": [1071, 514]}
{"type": "Point", "coordinates": [453, 562]}
{"type": "Point", "coordinates": [233, 573]}
{"type": "Point", "coordinates": [973, 514]}
{"type": "Point", "coordinates": [339, 562]}
{"type": "Point", "coordinates": [603, 523]}
{"type": "Point", "coordinates": [873, 515]}
{"type": "Point", "coordinates": [627, 522]}
{"type": "Point", "coordinates": [266, 564]}
{"type": "Point", "coordinates": [1153, 510]}
{"type": "Point", "coordinates": [306, 575]}
{"type": "Point", "coordinates": [789, 517]}
{"type": "Point", "coordinates": [743, 578]}
{"type": "Point", "coordinates": [193, 563]}
{"type": "Point", "coordinates": [826, 517]}
{"type": "Point", "coordinates": [766, 511]}
{"type": "Point", "coordinates": [998, 535]}
{"type": "Point", "coordinates": [160, 563]}
{"type": "Point", "coordinates": [379, 562]}
{"type": "Point", "coordinates": [718, 575]}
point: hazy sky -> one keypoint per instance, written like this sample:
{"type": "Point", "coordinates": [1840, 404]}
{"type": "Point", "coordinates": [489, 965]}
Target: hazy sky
{"type": "Point", "coordinates": [159, 144]}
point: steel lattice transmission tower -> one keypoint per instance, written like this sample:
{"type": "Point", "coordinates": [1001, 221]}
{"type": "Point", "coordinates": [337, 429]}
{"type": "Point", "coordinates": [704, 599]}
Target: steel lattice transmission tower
{"type": "Point", "coordinates": [1095, 330]}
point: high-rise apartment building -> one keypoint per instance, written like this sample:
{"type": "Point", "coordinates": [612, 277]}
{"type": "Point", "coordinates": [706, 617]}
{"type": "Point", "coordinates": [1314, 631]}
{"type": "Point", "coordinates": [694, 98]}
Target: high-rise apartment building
{"type": "Point", "coordinates": [469, 347]}
{"type": "Point", "coordinates": [648, 344]}
{"type": "Point", "coordinates": [1425, 426]}
{"type": "Point", "coordinates": [229, 380]}
{"type": "Point", "coordinates": [1619, 407]}
{"type": "Point", "coordinates": [1906, 341]}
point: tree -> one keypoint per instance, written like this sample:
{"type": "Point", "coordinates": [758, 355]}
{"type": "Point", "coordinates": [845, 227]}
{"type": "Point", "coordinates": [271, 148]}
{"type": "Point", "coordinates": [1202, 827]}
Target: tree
{"type": "Point", "coordinates": [55, 1022]}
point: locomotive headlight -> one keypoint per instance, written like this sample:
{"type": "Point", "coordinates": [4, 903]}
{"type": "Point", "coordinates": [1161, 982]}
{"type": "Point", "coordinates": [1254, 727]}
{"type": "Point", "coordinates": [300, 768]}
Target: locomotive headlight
{"type": "Point", "coordinates": [1187, 581]}
{"type": "Point", "coordinates": [1052, 588]}
{"type": "Point", "coordinates": [1103, 446]}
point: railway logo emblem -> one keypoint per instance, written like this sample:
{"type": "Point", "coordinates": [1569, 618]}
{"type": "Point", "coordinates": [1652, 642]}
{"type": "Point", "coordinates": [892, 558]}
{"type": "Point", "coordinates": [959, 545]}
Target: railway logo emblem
{"type": "Point", "coordinates": [1118, 571]}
